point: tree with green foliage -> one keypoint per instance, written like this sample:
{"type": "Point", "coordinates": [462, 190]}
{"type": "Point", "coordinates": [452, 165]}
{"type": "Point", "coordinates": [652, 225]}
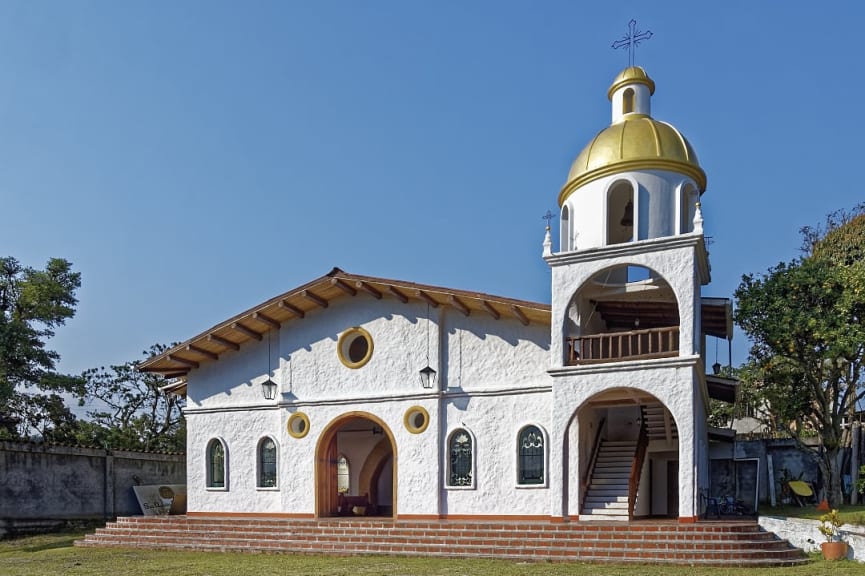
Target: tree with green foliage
{"type": "Point", "coordinates": [130, 411]}
{"type": "Point", "coordinates": [805, 322]}
{"type": "Point", "coordinates": [32, 304]}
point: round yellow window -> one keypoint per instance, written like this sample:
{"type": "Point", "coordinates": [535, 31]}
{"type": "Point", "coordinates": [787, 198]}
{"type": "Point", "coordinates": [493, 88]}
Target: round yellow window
{"type": "Point", "coordinates": [354, 347]}
{"type": "Point", "coordinates": [416, 419]}
{"type": "Point", "coordinates": [298, 425]}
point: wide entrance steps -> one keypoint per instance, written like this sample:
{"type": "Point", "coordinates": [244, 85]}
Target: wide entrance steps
{"type": "Point", "coordinates": [740, 543]}
{"type": "Point", "coordinates": [607, 495]}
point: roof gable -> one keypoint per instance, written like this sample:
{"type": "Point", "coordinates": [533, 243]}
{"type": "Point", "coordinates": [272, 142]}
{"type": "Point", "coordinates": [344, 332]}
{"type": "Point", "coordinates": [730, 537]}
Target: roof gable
{"type": "Point", "coordinates": [296, 304]}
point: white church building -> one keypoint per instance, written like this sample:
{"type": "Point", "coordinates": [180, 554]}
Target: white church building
{"type": "Point", "coordinates": [356, 395]}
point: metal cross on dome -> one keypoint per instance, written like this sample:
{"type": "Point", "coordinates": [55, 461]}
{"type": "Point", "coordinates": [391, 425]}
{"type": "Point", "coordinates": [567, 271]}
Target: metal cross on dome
{"type": "Point", "coordinates": [548, 217]}
{"type": "Point", "coordinates": [632, 39]}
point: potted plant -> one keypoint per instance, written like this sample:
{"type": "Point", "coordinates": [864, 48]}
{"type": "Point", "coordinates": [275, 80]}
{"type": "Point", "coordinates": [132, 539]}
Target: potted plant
{"type": "Point", "coordinates": [834, 548]}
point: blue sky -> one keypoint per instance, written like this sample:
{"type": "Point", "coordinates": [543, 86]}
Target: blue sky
{"type": "Point", "coordinates": [193, 159]}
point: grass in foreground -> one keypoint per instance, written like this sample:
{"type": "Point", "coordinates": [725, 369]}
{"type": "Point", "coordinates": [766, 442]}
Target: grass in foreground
{"type": "Point", "coordinates": [53, 554]}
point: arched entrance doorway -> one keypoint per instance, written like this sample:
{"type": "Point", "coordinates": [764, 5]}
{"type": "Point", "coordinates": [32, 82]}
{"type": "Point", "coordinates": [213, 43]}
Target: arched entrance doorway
{"type": "Point", "coordinates": [355, 471]}
{"type": "Point", "coordinates": [623, 458]}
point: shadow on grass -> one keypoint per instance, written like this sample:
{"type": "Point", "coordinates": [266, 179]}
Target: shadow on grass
{"type": "Point", "coordinates": [41, 542]}
{"type": "Point", "coordinates": [60, 541]}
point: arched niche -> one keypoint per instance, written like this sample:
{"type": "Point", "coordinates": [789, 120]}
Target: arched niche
{"type": "Point", "coordinates": [688, 196]}
{"type": "Point", "coordinates": [624, 312]}
{"type": "Point", "coordinates": [621, 215]}
{"type": "Point", "coordinates": [565, 235]}
{"type": "Point", "coordinates": [368, 444]}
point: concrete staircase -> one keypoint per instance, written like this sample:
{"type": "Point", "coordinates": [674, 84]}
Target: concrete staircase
{"type": "Point", "coordinates": [660, 424]}
{"type": "Point", "coordinates": [607, 495]}
{"type": "Point", "coordinates": [740, 543]}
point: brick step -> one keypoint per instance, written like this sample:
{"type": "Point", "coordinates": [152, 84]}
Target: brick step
{"type": "Point", "coordinates": [740, 543]}
{"type": "Point", "coordinates": [590, 532]}
{"type": "Point", "coordinates": [366, 521]}
{"type": "Point", "coordinates": [403, 539]}
{"type": "Point", "coordinates": [644, 554]}
{"type": "Point", "coordinates": [595, 533]}
{"type": "Point", "coordinates": [734, 548]}
{"type": "Point", "coordinates": [578, 535]}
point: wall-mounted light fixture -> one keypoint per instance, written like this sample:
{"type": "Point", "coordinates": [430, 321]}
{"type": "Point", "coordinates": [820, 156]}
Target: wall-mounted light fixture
{"type": "Point", "coordinates": [427, 377]}
{"type": "Point", "coordinates": [427, 373]}
{"type": "Point", "coordinates": [268, 387]}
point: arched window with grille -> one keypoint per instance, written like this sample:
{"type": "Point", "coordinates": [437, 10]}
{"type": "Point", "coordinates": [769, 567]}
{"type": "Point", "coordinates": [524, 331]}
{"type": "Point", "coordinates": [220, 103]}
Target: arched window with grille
{"type": "Point", "coordinates": [460, 472]}
{"type": "Point", "coordinates": [217, 464]}
{"type": "Point", "coordinates": [267, 456]}
{"type": "Point", "coordinates": [530, 456]}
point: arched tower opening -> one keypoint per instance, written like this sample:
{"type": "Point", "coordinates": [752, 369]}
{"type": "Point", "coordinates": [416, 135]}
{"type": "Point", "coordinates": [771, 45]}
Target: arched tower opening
{"type": "Point", "coordinates": [565, 232]}
{"type": "Point", "coordinates": [622, 313]}
{"type": "Point", "coordinates": [688, 196]}
{"type": "Point", "coordinates": [628, 101]}
{"type": "Point", "coordinates": [620, 213]}
{"type": "Point", "coordinates": [623, 454]}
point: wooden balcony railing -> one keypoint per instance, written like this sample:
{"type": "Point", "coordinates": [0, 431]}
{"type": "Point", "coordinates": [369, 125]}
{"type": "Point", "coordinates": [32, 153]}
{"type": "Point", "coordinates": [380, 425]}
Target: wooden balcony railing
{"type": "Point", "coordinates": [617, 346]}
{"type": "Point", "coordinates": [637, 468]}
{"type": "Point", "coordinates": [587, 477]}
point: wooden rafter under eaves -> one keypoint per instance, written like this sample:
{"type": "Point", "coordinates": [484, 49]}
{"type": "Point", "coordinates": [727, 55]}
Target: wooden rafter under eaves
{"type": "Point", "coordinates": [296, 306]}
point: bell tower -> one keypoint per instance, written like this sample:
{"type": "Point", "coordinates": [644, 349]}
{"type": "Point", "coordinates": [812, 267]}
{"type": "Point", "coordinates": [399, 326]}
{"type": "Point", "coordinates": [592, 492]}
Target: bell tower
{"type": "Point", "coordinates": [626, 325]}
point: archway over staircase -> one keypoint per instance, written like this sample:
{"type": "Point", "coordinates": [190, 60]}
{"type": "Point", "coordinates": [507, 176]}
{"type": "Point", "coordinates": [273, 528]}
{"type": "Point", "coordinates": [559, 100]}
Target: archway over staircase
{"type": "Point", "coordinates": [623, 457]}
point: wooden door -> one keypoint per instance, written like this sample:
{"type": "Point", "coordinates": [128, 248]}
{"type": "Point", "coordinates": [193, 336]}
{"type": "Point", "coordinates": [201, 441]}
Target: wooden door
{"type": "Point", "coordinates": [673, 488]}
{"type": "Point", "coordinates": [327, 484]}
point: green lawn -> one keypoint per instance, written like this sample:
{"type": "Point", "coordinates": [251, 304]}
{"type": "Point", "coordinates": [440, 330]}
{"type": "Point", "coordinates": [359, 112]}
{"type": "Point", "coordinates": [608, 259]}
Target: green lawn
{"type": "Point", "coordinates": [53, 555]}
{"type": "Point", "coordinates": [849, 514]}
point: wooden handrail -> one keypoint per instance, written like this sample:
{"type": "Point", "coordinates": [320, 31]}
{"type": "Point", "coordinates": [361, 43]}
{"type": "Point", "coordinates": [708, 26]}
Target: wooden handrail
{"type": "Point", "coordinates": [595, 447]}
{"type": "Point", "coordinates": [647, 343]}
{"type": "Point", "coordinates": [637, 465]}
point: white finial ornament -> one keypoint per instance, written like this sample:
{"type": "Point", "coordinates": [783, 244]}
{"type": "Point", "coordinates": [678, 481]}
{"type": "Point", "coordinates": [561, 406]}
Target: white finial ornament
{"type": "Point", "coordinates": [548, 241]}
{"type": "Point", "coordinates": [698, 220]}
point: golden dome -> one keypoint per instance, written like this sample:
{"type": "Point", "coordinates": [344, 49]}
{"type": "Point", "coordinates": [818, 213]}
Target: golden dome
{"type": "Point", "coordinates": [636, 142]}
{"type": "Point", "coordinates": [631, 75]}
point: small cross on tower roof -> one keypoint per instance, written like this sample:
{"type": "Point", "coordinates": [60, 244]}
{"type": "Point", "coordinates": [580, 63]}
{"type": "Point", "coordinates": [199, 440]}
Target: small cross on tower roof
{"type": "Point", "coordinates": [548, 217]}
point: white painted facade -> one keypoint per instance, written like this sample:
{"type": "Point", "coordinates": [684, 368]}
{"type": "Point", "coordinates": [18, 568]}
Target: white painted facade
{"type": "Point", "coordinates": [497, 375]}
{"type": "Point", "coordinates": [663, 205]}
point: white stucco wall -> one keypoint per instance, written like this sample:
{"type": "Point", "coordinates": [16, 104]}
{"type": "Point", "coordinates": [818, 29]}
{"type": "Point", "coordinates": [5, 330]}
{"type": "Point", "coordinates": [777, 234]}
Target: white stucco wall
{"type": "Point", "coordinates": [495, 421]}
{"type": "Point", "coordinates": [804, 534]}
{"type": "Point", "coordinates": [241, 432]}
{"type": "Point", "coordinates": [492, 380]}
{"type": "Point", "coordinates": [657, 207]}
{"type": "Point", "coordinates": [480, 352]}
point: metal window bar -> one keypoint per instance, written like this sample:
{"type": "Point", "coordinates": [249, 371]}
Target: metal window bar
{"type": "Point", "coordinates": [217, 465]}
{"type": "Point", "coordinates": [460, 469]}
{"type": "Point", "coordinates": [267, 464]}
{"type": "Point", "coordinates": [531, 456]}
